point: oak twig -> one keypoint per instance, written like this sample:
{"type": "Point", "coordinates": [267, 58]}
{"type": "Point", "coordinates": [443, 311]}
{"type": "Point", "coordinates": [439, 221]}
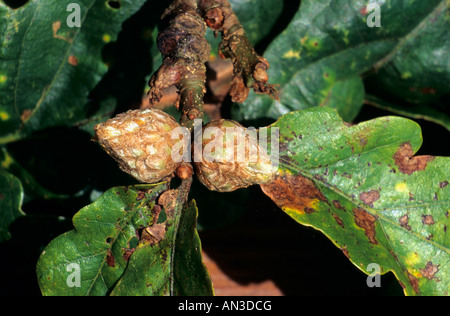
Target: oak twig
{"type": "Point", "coordinates": [250, 69]}
{"type": "Point", "coordinates": [185, 52]}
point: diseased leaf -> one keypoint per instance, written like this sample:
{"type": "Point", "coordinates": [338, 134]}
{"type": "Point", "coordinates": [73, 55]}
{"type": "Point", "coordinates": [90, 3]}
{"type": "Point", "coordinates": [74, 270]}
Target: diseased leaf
{"type": "Point", "coordinates": [329, 42]}
{"type": "Point", "coordinates": [152, 271]}
{"type": "Point", "coordinates": [363, 187]}
{"type": "Point", "coordinates": [47, 68]}
{"type": "Point", "coordinates": [11, 195]}
{"type": "Point", "coordinates": [123, 245]}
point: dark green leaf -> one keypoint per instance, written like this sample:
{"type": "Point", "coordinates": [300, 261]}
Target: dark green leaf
{"type": "Point", "coordinates": [190, 275]}
{"type": "Point", "coordinates": [328, 43]}
{"type": "Point", "coordinates": [47, 68]}
{"type": "Point", "coordinates": [11, 195]}
{"type": "Point", "coordinates": [418, 70]}
{"type": "Point", "coordinates": [415, 111]}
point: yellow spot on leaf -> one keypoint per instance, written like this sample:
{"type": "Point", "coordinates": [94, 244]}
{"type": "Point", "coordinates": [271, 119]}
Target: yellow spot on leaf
{"type": "Point", "coordinates": [69, 36]}
{"type": "Point", "coordinates": [346, 41]}
{"type": "Point", "coordinates": [4, 116]}
{"type": "Point", "coordinates": [106, 38]}
{"type": "Point", "coordinates": [401, 187]}
{"type": "Point", "coordinates": [406, 75]}
{"type": "Point", "coordinates": [7, 162]}
{"type": "Point", "coordinates": [412, 259]}
{"type": "Point", "coordinates": [415, 273]}
{"type": "Point", "coordinates": [308, 206]}
{"type": "Point", "coordinates": [292, 54]}
{"type": "Point", "coordinates": [3, 78]}
{"type": "Point", "coordinates": [293, 212]}
{"type": "Point", "coordinates": [313, 44]}
{"type": "Point", "coordinates": [303, 40]}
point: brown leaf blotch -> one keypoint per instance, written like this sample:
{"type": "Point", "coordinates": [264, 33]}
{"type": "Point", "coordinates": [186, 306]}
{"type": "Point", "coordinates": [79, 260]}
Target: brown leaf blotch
{"type": "Point", "coordinates": [414, 283]}
{"type": "Point", "coordinates": [338, 220]}
{"type": "Point", "coordinates": [408, 164]}
{"type": "Point", "coordinates": [295, 192]}
{"type": "Point", "coordinates": [110, 260]}
{"type": "Point", "coordinates": [73, 60]}
{"type": "Point", "coordinates": [370, 197]}
{"type": "Point", "coordinates": [427, 220]}
{"type": "Point", "coordinates": [154, 234]}
{"type": "Point", "coordinates": [127, 253]}
{"type": "Point", "coordinates": [345, 251]}
{"type": "Point", "coordinates": [366, 221]}
{"type": "Point", "coordinates": [404, 222]}
{"type": "Point", "coordinates": [430, 271]}
{"type": "Point", "coordinates": [338, 205]}
{"type": "Point", "coordinates": [168, 201]}
{"type": "Point", "coordinates": [309, 210]}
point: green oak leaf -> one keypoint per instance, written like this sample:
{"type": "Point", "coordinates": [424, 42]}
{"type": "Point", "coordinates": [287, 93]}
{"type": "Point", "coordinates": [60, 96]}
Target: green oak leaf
{"type": "Point", "coordinates": [418, 70]}
{"type": "Point", "coordinates": [414, 82]}
{"type": "Point", "coordinates": [150, 271]}
{"type": "Point", "coordinates": [415, 111]}
{"type": "Point", "coordinates": [363, 188]}
{"type": "Point", "coordinates": [327, 44]}
{"type": "Point", "coordinates": [47, 68]}
{"type": "Point", "coordinates": [108, 247]}
{"type": "Point", "coordinates": [11, 196]}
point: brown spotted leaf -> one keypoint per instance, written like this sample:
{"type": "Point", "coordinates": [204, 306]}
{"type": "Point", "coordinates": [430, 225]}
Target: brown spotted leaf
{"type": "Point", "coordinates": [363, 187]}
{"type": "Point", "coordinates": [48, 67]}
{"type": "Point", "coordinates": [125, 244]}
